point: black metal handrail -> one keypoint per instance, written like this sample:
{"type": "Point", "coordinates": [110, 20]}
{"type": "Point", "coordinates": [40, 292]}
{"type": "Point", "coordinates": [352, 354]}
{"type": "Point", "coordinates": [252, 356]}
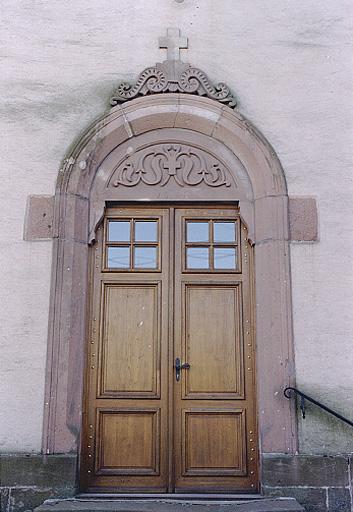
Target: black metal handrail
{"type": "Point", "coordinates": [287, 393]}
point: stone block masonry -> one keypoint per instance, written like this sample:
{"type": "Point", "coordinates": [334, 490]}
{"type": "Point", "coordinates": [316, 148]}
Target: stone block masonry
{"type": "Point", "coordinates": [320, 483]}
{"type": "Point", "coordinates": [28, 480]}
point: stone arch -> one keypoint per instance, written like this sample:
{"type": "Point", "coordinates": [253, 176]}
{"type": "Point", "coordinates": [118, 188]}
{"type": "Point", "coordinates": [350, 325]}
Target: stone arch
{"type": "Point", "coordinates": [80, 198]}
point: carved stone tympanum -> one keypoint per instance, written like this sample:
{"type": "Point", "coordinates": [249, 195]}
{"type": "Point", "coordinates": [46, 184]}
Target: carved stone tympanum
{"type": "Point", "coordinates": [158, 164]}
{"type": "Point", "coordinates": [173, 75]}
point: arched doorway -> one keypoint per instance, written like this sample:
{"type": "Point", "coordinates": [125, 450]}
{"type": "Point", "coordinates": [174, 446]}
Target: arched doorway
{"type": "Point", "coordinates": [177, 149]}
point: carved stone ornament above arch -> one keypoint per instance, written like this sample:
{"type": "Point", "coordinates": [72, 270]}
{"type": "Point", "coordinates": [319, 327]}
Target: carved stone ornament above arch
{"type": "Point", "coordinates": [173, 75]}
{"type": "Point", "coordinates": [170, 147]}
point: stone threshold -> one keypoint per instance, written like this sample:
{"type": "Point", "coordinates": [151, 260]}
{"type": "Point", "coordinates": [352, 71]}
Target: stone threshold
{"type": "Point", "coordinates": [190, 497]}
{"type": "Point", "coordinates": [242, 504]}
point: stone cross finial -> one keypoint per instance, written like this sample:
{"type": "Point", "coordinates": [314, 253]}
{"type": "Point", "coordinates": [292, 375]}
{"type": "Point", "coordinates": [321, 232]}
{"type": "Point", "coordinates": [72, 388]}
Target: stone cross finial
{"type": "Point", "coordinates": [173, 42]}
{"type": "Point", "coordinates": [173, 75]}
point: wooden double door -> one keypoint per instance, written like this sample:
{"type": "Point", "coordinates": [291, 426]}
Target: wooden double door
{"type": "Point", "coordinates": [170, 386]}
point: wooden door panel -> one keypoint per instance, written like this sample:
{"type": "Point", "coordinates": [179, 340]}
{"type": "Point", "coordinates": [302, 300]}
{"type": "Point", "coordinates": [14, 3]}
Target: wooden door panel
{"type": "Point", "coordinates": [126, 424]}
{"type": "Point", "coordinates": [212, 341]}
{"type": "Point", "coordinates": [130, 340]}
{"type": "Point", "coordinates": [215, 417]}
{"type": "Point", "coordinates": [129, 441]}
{"type": "Point", "coordinates": [214, 442]}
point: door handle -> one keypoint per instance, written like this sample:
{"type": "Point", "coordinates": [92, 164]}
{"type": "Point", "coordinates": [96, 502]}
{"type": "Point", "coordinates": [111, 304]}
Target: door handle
{"type": "Point", "coordinates": [179, 367]}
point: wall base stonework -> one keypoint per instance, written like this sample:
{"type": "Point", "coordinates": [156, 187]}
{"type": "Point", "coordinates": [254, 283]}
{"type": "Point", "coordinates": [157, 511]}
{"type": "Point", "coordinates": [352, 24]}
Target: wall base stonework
{"type": "Point", "coordinates": [28, 480]}
{"type": "Point", "coordinates": [320, 483]}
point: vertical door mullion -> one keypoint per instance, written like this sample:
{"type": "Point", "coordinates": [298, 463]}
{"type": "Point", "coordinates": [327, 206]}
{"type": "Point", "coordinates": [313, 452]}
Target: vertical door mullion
{"type": "Point", "coordinates": [171, 354]}
{"type": "Point", "coordinates": [211, 249]}
{"type": "Point", "coordinates": [132, 240]}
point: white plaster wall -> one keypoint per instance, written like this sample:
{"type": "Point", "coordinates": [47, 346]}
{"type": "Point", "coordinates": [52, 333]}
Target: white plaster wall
{"type": "Point", "coordinates": [289, 63]}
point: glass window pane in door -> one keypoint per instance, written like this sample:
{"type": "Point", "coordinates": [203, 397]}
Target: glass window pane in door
{"type": "Point", "coordinates": [146, 231]}
{"type": "Point", "coordinates": [145, 257]}
{"type": "Point", "coordinates": [119, 231]}
{"type": "Point", "coordinates": [225, 258]}
{"type": "Point", "coordinates": [224, 232]}
{"type": "Point", "coordinates": [118, 257]}
{"type": "Point", "coordinates": [197, 232]}
{"type": "Point", "coordinates": [197, 257]}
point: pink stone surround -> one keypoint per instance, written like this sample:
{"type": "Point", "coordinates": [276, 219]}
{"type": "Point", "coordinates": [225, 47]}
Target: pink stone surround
{"type": "Point", "coordinates": [81, 195]}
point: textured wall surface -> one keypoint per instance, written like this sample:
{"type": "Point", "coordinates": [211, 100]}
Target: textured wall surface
{"type": "Point", "coordinates": [289, 64]}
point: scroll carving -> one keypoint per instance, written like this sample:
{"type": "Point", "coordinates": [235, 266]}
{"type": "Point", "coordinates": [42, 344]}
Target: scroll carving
{"type": "Point", "coordinates": [159, 165]}
{"type": "Point", "coordinates": [173, 76]}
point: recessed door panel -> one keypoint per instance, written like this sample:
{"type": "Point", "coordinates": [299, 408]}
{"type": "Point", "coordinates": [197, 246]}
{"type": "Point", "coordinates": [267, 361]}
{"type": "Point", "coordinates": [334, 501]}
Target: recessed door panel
{"type": "Point", "coordinates": [130, 341]}
{"type": "Point", "coordinates": [129, 442]}
{"type": "Point", "coordinates": [214, 442]}
{"type": "Point", "coordinates": [212, 341]}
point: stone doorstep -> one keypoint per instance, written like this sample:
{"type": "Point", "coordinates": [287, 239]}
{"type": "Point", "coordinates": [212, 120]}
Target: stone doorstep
{"type": "Point", "coordinates": [149, 505]}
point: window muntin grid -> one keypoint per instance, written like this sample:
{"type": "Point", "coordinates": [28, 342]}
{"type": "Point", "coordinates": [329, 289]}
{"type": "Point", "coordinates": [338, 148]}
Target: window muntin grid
{"type": "Point", "coordinates": [132, 245]}
{"type": "Point", "coordinates": [211, 245]}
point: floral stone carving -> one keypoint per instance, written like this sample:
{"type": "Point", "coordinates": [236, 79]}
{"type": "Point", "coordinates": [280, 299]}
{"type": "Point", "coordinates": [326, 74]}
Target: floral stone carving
{"type": "Point", "coordinates": [158, 165]}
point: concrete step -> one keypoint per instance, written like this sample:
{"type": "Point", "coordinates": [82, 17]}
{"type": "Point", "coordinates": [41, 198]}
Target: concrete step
{"type": "Point", "coordinates": [244, 504]}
